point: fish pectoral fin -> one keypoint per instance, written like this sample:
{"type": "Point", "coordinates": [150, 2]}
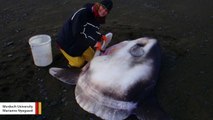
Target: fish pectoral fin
{"type": "Point", "coordinates": [66, 75]}
{"type": "Point", "coordinates": [150, 110]}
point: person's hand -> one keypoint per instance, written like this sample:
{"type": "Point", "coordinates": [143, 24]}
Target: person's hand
{"type": "Point", "coordinates": [103, 38]}
{"type": "Point", "coordinates": [98, 46]}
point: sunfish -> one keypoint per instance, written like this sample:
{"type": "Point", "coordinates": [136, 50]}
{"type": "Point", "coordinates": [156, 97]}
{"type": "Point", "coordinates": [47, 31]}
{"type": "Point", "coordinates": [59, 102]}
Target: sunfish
{"type": "Point", "coordinates": [120, 82]}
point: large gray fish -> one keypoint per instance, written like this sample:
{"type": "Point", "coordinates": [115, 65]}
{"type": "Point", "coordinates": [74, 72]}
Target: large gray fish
{"type": "Point", "coordinates": [120, 82]}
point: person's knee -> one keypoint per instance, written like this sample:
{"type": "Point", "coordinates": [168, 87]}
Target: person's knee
{"type": "Point", "coordinates": [89, 54]}
{"type": "Point", "coordinates": [77, 64]}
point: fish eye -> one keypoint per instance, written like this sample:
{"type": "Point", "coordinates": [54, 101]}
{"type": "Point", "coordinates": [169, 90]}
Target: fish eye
{"type": "Point", "coordinates": [137, 50]}
{"type": "Point", "coordinates": [140, 44]}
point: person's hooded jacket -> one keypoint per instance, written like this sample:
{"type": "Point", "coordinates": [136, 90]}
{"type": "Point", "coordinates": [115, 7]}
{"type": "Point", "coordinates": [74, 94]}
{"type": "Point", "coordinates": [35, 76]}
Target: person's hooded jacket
{"type": "Point", "coordinates": [79, 32]}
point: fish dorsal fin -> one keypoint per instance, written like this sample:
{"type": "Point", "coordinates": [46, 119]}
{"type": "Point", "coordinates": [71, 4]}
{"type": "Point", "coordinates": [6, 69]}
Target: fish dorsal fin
{"type": "Point", "coordinates": [66, 75]}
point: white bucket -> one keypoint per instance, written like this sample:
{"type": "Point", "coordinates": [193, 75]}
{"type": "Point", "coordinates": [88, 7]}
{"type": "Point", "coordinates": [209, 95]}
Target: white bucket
{"type": "Point", "coordinates": [41, 50]}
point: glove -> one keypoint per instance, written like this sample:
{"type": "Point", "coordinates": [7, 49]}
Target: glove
{"type": "Point", "coordinates": [103, 38]}
{"type": "Point", "coordinates": [98, 46]}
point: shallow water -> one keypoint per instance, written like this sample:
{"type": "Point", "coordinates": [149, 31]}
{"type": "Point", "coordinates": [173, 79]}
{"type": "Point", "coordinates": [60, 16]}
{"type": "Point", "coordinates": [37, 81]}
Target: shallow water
{"type": "Point", "coordinates": [183, 28]}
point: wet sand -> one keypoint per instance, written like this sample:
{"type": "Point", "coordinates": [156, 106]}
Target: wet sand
{"type": "Point", "coordinates": [183, 28]}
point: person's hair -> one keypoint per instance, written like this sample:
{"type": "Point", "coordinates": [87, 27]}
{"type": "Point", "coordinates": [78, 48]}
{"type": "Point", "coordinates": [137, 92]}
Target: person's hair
{"type": "Point", "coordinates": [96, 6]}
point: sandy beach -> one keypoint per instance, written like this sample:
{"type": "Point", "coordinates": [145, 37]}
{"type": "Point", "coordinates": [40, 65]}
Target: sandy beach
{"type": "Point", "coordinates": [184, 30]}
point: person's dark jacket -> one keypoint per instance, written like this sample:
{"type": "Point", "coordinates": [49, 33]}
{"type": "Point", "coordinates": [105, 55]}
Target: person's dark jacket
{"type": "Point", "coordinates": [79, 32]}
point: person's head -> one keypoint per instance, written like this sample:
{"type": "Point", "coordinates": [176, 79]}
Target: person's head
{"type": "Point", "coordinates": [101, 10]}
{"type": "Point", "coordinates": [103, 7]}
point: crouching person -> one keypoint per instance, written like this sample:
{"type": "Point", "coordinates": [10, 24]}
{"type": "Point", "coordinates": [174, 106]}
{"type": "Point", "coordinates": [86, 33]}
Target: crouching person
{"type": "Point", "coordinates": [79, 36]}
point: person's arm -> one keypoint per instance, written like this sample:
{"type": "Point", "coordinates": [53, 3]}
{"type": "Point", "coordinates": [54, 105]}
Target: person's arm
{"type": "Point", "coordinates": [77, 21]}
{"type": "Point", "coordinates": [82, 28]}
